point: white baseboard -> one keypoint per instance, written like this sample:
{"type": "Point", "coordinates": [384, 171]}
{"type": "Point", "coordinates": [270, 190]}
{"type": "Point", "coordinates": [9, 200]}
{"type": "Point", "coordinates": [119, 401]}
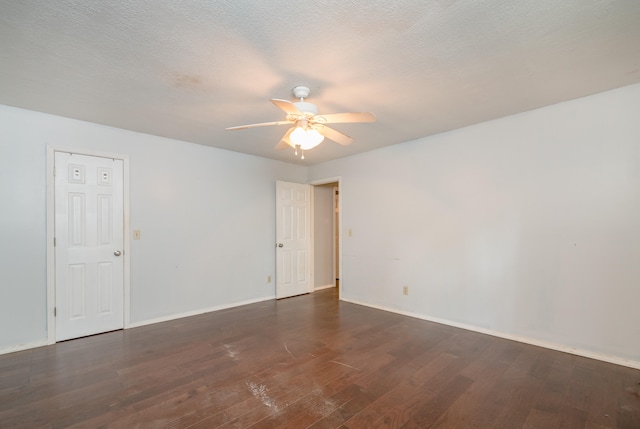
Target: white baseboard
{"type": "Point", "coordinates": [197, 312]}
{"type": "Point", "coordinates": [324, 287]}
{"type": "Point", "coordinates": [44, 342]}
{"type": "Point", "coordinates": [25, 346]}
{"type": "Point", "coordinates": [553, 346]}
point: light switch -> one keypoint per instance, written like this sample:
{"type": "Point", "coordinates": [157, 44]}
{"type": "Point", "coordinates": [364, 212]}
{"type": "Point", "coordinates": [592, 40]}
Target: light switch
{"type": "Point", "coordinates": [136, 234]}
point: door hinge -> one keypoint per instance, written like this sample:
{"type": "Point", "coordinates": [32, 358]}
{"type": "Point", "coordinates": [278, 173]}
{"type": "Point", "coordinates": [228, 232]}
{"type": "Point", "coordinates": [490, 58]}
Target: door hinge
{"type": "Point", "coordinates": [54, 171]}
{"type": "Point", "coordinates": [55, 311]}
{"type": "Point", "coordinates": [54, 242]}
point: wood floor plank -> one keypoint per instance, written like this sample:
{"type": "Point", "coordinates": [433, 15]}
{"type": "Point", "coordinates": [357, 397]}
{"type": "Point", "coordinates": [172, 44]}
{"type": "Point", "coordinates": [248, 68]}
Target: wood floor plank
{"type": "Point", "coordinates": [485, 373]}
{"type": "Point", "coordinates": [429, 412]}
{"type": "Point", "coordinates": [310, 362]}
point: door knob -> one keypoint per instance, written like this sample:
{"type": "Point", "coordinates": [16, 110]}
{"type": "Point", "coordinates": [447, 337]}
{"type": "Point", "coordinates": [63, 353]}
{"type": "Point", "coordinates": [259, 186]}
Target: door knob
{"type": "Point", "coordinates": [117, 253]}
{"type": "Point", "coordinates": [280, 245]}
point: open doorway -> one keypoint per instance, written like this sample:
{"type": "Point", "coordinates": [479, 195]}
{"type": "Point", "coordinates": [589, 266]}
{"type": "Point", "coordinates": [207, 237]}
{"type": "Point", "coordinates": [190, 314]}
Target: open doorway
{"type": "Point", "coordinates": [326, 235]}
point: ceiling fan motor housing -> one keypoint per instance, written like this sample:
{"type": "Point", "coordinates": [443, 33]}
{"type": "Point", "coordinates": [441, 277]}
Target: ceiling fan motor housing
{"type": "Point", "coordinates": [306, 107]}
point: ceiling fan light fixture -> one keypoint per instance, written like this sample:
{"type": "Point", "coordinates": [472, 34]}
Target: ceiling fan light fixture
{"type": "Point", "coordinates": [306, 138]}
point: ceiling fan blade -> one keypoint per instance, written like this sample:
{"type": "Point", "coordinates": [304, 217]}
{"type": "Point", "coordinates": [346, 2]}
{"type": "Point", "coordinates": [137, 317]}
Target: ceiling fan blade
{"type": "Point", "coordinates": [285, 142]}
{"type": "Point", "coordinates": [336, 118]}
{"type": "Point", "coordinates": [334, 135]}
{"type": "Point", "coordinates": [288, 107]}
{"type": "Point", "coordinates": [264, 124]}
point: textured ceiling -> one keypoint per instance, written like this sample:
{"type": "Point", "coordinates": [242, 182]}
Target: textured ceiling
{"type": "Point", "coordinates": [189, 69]}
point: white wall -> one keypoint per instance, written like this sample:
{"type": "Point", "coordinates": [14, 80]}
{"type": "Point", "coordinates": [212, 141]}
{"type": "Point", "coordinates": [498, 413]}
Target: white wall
{"type": "Point", "coordinates": [206, 216]}
{"type": "Point", "coordinates": [323, 215]}
{"type": "Point", "coordinates": [526, 226]}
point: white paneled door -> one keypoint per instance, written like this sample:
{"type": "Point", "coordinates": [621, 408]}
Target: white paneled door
{"type": "Point", "coordinates": [293, 239]}
{"type": "Point", "coordinates": [89, 242]}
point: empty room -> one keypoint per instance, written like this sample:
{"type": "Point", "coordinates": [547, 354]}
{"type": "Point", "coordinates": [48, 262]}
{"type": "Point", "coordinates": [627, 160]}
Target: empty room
{"type": "Point", "coordinates": [329, 214]}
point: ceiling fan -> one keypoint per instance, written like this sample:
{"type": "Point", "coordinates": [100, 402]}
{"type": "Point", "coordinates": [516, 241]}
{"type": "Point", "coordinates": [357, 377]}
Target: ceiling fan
{"type": "Point", "coordinates": [308, 127]}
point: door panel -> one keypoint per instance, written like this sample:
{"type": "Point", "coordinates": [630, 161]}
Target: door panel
{"type": "Point", "coordinates": [293, 208]}
{"type": "Point", "coordinates": [89, 236]}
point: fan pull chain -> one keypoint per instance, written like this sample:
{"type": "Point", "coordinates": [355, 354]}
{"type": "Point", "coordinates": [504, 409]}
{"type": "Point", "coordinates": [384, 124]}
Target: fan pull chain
{"type": "Point", "coordinates": [301, 152]}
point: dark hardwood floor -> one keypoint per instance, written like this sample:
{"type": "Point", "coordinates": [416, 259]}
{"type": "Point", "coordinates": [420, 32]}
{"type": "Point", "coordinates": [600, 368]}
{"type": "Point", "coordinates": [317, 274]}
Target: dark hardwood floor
{"type": "Point", "coordinates": [310, 362]}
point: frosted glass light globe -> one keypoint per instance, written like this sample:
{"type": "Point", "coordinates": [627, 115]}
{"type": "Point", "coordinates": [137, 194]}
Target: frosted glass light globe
{"type": "Point", "coordinates": [306, 138]}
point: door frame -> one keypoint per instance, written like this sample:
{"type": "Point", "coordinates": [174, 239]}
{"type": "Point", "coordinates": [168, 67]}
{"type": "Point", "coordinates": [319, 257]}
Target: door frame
{"type": "Point", "coordinates": [314, 183]}
{"type": "Point", "coordinates": [51, 263]}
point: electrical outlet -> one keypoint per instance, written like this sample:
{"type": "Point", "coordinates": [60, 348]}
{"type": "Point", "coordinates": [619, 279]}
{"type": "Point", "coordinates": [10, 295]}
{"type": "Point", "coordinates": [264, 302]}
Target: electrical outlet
{"type": "Point", "coordinates": [405, 290]}
{"type": "Point", "coordinates": [136, 234]}
{"type": "Point", "coordinates": [350, 232]}
{"type": "Point", "coordinates": [269, 279]}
